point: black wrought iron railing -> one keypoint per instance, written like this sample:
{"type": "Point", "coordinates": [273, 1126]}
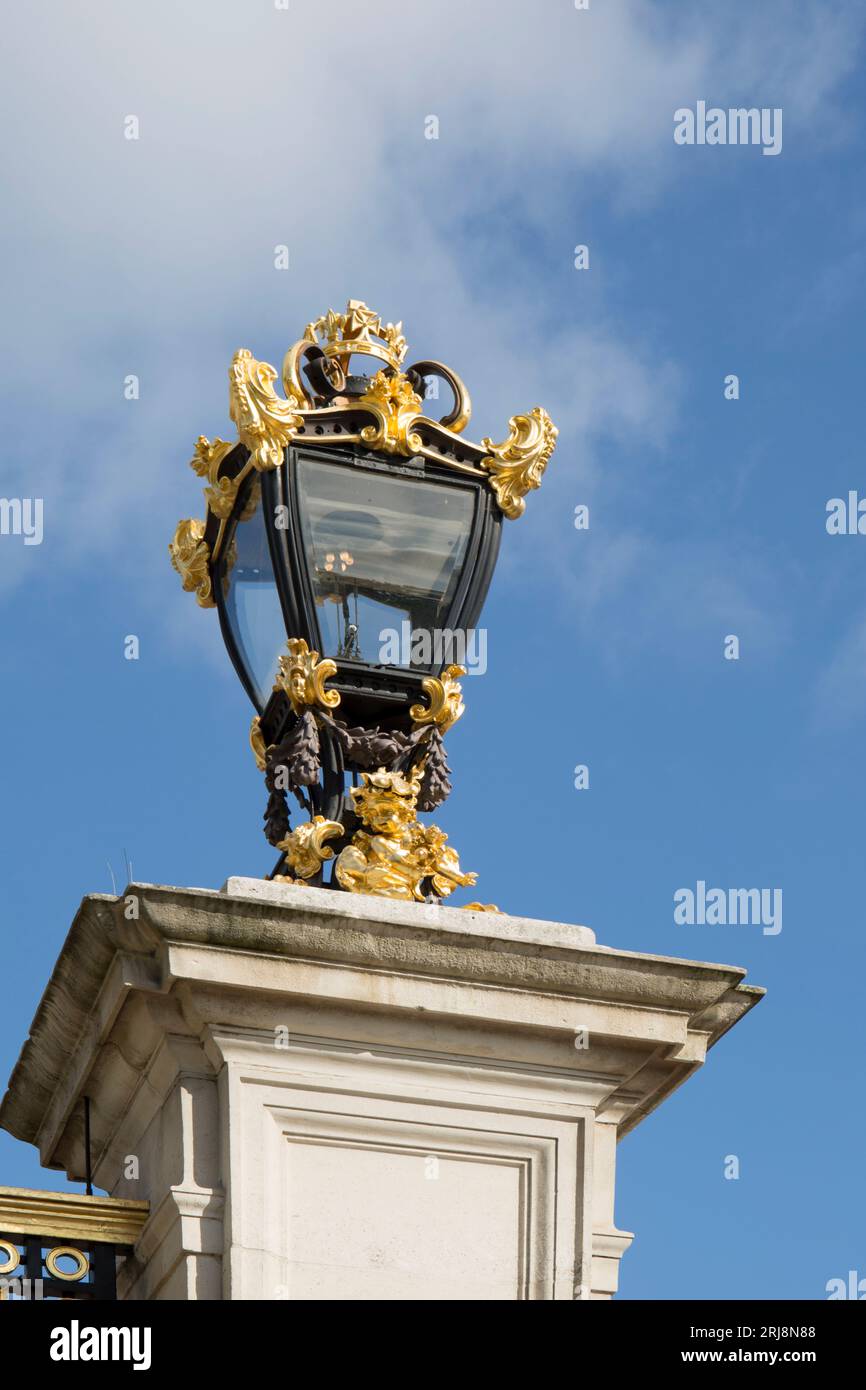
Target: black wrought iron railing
{"type": "Point", "coordinates": [64, 1245]}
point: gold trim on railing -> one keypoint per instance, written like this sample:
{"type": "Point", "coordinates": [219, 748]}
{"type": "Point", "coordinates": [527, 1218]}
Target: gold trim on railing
{"type": "Point", "coordinates": [71, 1216]}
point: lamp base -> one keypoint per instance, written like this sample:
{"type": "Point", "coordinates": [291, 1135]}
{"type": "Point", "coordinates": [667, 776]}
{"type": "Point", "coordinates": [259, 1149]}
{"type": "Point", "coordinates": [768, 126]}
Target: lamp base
{"type": "Point", "coordinates": [391, 856]}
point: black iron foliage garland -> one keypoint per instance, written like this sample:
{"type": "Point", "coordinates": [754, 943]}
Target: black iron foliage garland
{"type": "Point", "coordinates": [295, 764]}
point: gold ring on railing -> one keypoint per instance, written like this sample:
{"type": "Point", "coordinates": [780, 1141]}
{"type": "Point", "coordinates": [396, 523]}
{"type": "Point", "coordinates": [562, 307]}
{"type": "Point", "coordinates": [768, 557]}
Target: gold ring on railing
{"type": "Point", "coordinates": [54, 1255]}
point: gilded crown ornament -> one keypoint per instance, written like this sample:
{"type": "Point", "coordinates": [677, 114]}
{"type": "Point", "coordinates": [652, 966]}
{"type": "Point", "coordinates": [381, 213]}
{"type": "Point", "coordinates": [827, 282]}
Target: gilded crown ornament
{"type": "Point", "coordinates": [358, 330]}
{"type": "Point", "coordinates": [347, 510]}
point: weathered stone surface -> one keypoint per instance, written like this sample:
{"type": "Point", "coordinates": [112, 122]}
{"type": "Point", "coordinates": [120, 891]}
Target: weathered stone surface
{"type": "Point", "coordinates": [337, 1097]}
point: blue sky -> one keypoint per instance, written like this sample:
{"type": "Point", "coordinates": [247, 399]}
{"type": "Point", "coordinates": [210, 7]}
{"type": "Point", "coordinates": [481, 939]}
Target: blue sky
{"type": "Point", "coordinates": [605, 647]}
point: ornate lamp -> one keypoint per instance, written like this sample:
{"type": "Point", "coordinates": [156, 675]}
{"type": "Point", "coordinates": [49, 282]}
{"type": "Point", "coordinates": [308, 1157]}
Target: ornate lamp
{"type": "Point", "coordinates": [348, 546]}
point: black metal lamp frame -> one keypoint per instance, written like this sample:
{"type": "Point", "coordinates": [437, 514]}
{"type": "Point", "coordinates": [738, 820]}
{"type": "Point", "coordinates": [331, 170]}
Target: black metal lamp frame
{"type": "Point", "coordinates": [359, 424]}
{"type": "Point", "coordinates": [373, 694]}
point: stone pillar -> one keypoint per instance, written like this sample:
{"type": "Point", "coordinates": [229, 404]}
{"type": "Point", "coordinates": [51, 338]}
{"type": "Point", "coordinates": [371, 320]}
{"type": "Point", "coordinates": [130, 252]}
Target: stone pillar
{"type": "Point", "coordinates": [328, 1096]}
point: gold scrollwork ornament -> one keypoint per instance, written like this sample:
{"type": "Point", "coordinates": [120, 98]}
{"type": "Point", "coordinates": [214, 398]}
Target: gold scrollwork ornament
{"type": "Point", "coordinates": [191, 558]}
{"type": "Point", "coordinates": [206, 462]}
{"type": "Point", "coordinates": [257, 743]}
{"type": "Point", "coordinates": [517, 465]}
{"type": "Point", "coordinates": [396, 406]}
{"type": "Point", "coordinates": [305, 847]}
{"type": "Point", "coordinates": [446, 699]}
{"type": "Point", "coordinates": [265, 421]}
{"type": "Point", "coordinates": [302, 676]}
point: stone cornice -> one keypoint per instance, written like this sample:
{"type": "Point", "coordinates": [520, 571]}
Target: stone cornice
{"type": "Point", "coordinates": [679, 1007]}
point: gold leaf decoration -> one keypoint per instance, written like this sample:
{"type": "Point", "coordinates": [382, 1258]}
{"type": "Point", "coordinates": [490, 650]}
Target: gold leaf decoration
{"type": "Point", "coordinates": [257, 743]}
{"type": "Point", "coordinates": [446, 699]}
{"type": "Point", "coordinates": [396, 405]}
{"type": "Point", "coordinates": [265, 421]}
{"type": "Point", "coordinates": [302, 676]}
{"type": "Point", "coordinates": [393, 856]}
{"type": "Point", "coordinates": [206, 462]}
{"type": "Point", "coordinates": [191, 558]}
{"type": "Point", "coordinates": [517, 465]}
{"type": "Point", "coordinates": [305, 847]}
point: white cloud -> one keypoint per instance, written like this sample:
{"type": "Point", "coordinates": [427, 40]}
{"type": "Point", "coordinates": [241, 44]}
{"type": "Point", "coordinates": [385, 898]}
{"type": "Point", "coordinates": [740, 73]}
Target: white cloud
{"type": "Point", "coordinates": [305, 126]}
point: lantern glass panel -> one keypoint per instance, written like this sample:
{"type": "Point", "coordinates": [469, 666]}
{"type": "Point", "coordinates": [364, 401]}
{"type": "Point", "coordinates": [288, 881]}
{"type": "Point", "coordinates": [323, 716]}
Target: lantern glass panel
{"type": "Point", "coordinates": [382, 551]}
{"type": "Point", "coordinates": [252, 605]}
